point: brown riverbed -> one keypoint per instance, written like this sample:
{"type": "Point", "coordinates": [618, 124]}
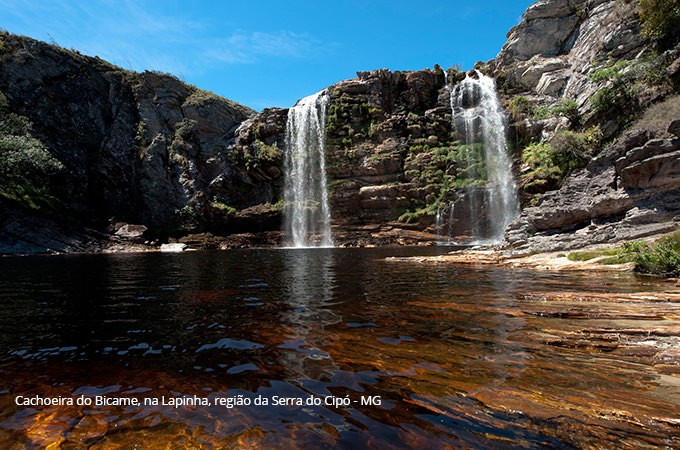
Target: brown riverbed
{"type": "Point", "coordinates": [460, 355]}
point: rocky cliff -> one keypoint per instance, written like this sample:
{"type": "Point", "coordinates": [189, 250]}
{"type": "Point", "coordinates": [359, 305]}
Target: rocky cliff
{"type": "Point", "coordinates": [592, 56]}
{"type": "Point", "coordinates": [145, 148]}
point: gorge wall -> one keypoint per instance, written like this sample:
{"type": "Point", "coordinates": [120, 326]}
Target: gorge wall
{"type": "Point", "coordinates": [143, 148]}
{"type": "Point", "coordinates": [580, 77]}
{"type": "Point", "coordinates": [148, 149]}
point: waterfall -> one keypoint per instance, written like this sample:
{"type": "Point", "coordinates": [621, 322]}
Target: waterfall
{"type": "Point", "coordinates": [306, 212]}
{"type": "Point", "coordinates": [477, 115]}
{"type": "Point", "coordinates": [438, 221]}
{"type": "Point", "coordinates": [451, 216]}
{"type": "Point", "coordinates": [442, 222]}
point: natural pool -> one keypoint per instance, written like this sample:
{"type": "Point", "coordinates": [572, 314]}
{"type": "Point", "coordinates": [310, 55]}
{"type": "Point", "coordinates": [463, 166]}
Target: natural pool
{"type": "Point", "coordinates": [456, 356]}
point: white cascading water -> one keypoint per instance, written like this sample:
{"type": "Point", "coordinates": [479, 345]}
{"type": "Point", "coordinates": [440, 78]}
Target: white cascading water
{"type": "Point", "coordinates": [478, 114]}
{"type": "Point", "coordinates": [451, 216]}
{"type": "Point", "coordinates": [441, 220]}
{"type": "Point", "coordinates": [438, 221]}
{"type": "Point", "coordinates": [306, 212]}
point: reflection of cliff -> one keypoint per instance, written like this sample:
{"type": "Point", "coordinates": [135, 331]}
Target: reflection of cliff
{"type": "Point", "coordinates": [308, 282]}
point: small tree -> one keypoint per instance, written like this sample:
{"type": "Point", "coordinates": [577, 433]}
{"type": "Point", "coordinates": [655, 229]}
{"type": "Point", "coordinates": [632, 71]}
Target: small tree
{"type": "Point", "coordinates": [659, 17]}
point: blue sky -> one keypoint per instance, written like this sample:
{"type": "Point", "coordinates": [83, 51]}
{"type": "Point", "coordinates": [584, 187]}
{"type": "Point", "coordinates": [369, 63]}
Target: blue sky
{"type": "Point", "coordinates": [267, 53]}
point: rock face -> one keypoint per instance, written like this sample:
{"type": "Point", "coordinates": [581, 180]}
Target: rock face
{"type": "Point", "coordinates": [630, 191]}
{"type": "Point", "coordinates": [392, 154]}
{"type": "Point", "coordinates": [140, 147]}
{"type": "Point", "coordinates": [551, 54]}
{"type": "Point", "coordinates": [381, 125]}
{"type": "Point", "coordinates": [148, 149]}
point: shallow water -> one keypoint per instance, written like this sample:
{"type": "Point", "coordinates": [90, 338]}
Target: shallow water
{"type": "Point", "coordinates": [457, 356]}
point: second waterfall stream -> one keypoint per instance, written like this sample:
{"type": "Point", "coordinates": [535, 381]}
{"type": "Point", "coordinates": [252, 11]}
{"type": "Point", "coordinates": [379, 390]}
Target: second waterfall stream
{"type": "Point", "coordinates": [478, 116]}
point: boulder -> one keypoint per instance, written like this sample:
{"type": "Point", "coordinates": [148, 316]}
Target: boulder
{"type": "Point", "coordinates": [173, 247]}
{"type": "Point", "coordinates": [131, 232]}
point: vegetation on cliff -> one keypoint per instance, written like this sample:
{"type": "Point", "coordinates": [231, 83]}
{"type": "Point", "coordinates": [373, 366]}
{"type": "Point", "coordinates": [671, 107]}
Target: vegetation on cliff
{"type": "Point", "coordinates": [148, 148]}
{"type": "Point", "coordinates": [563, 119]}
{"type": "Point", "coordinates": [660, 19]}
{"type": "Point", "coordinates": [26, 166]}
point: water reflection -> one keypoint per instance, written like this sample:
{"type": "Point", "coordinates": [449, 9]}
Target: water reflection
{"type": "Point", "coordinates": [308, 279]}
{"type": "Point", "coordinates": [461, 357]}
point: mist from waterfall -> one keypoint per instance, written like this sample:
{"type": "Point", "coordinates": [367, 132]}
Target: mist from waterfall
{"type": "Point", "coordinates": [306, 211]}
{"type": "Point", "coordinates": [477, 115]}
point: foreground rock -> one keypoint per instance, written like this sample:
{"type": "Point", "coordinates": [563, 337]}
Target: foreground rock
{"type": "Point", "coordinates": [553, 261]}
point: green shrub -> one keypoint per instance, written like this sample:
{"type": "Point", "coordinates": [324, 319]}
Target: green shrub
{"type": "Point", "coordinates": [184, 130]}
{"type": "Point", "coordinates": [569, 109]}
{"type": "Point", "coordinates": [519, 107]}
{"type": "Point", "coordinates": [543, 173]}
{"type": "Point", "coordinates": [618, 92]}
{"type": "Point", "coordinates": [186, 215]}
{"type": "Point", "coordinates": [628, 82]}
{"type": "Point", "coordinates": [572, 149]}
{"type": "Point", "coordinates": [25, 163]}
{"type": "Point", "coordinates": [141, 131]}
{"type": "Point", "coordinates": [24, 157]}
{"type": "Point", "coordinates": [542, 112]}
{"type": "Point", "coordinates": [270, 154]}
{"type": "Point", "coordinates": [661, 258]}
{"type": "Point", "coordinates": [549, 163]}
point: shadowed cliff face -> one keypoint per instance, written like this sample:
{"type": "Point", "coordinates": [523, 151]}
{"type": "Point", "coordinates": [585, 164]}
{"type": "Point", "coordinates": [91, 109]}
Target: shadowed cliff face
{"type": "Point", "coordinates": [141, 147]}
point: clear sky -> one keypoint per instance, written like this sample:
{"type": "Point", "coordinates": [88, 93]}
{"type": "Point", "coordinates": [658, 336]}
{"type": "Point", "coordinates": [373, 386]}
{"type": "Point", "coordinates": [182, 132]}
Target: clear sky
{"type": "Point", "coordinates": [266, 53]}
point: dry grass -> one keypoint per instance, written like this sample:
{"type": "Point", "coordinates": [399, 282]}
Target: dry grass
{"type": "Point", "coordinates": [657, 117]}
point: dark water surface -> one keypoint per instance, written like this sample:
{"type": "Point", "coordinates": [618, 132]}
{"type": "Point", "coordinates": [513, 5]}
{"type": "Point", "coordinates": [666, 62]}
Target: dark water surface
{"type": "Point", "coordinates": [457, 356]}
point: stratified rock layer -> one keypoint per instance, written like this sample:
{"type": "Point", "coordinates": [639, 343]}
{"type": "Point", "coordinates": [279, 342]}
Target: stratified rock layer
{"type": "Point", "coordinates": [629, 190]}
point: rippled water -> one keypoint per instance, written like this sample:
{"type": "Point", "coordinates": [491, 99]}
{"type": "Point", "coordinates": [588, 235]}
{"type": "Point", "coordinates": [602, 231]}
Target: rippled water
{"type": "Point", "coordinates": [457, 356]}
